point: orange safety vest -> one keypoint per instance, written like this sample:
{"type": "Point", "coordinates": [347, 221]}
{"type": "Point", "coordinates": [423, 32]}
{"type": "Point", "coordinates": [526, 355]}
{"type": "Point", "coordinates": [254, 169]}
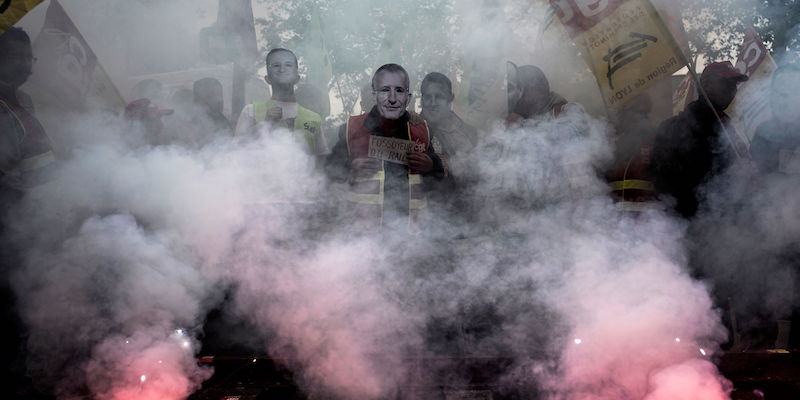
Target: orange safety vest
{"type": "Point", "coordinates": [366, 194]}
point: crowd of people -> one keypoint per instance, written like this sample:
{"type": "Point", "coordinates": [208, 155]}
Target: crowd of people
{"type": "Point", "coordinates": [656, 165]}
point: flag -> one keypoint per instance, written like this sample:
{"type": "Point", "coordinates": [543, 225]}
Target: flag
{"type": "Point", "coordinates": [481, 96]}
{"type": "Point", "coordinates": [67, 75]}
{"type": "Point", "coordinates": [751, 106]}
{"type": "Point", "coordinates": [625, 43]}
{"type": "Point", "coordinates": [11, 11]}
{"type": "Point", "coordinates": [232, 37]}
{"type": "Point", "coordinates": [683, 95]}
{"type": "Point", "coordinates": [319, 70]}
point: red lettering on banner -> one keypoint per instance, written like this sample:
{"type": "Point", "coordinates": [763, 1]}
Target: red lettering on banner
{"type": "Point", "coordinates": [752, 54]}
{"type": "Point", "coordinates": [580, 15]}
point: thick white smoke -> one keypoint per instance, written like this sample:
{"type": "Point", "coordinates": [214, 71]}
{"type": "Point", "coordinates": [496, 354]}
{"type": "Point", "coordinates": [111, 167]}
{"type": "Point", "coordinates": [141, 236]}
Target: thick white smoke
{"type": "Point", "coordinates": [126, 250]}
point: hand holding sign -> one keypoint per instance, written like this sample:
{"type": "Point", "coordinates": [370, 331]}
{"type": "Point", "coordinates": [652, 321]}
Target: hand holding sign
{"type": "Point", "coordinates": [419, 162]}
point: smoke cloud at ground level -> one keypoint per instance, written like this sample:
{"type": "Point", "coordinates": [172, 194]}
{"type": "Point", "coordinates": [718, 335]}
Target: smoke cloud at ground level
{"type": "Point", "coordinates": [127, 249]}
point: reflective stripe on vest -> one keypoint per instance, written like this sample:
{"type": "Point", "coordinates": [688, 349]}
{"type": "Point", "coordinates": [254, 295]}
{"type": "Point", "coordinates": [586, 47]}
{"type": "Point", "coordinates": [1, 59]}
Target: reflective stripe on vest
{"type": "Point", "coordinates": [632, 184]}
{"type": "Point", "coordinates": [34, 147]}
{"type": "Point", "coordinates": [306, 124]}
{"type": "Point", "coordinates": [369, 192]}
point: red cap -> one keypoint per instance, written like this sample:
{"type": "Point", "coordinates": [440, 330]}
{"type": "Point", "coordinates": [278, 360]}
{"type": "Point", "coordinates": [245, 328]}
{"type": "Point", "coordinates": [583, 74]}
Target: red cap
{"type": "Point", "coordinates": [723, 69]}
{"type": "Point", "coordinates": [144, 108]}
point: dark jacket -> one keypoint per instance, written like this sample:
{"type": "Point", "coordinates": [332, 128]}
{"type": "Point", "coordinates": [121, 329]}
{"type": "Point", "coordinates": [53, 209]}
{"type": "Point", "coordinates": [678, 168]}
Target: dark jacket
{"type": "Point", "coordinates": [688, 150]}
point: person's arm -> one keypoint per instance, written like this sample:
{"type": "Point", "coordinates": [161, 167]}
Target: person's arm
{"type": "Point", "coordinates": [337, 163]}
{"type": "Point", "coordinates": [438, 170]}
{"type": "Point", "coordinates": [428, 163]}
{"type": "Point", "coordinates": [245, 126]}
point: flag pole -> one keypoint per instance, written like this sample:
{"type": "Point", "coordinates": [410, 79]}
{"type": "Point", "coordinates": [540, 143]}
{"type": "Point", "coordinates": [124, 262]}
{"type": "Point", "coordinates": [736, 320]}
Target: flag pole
{"type": "Point", "coordinates": [692, 72]}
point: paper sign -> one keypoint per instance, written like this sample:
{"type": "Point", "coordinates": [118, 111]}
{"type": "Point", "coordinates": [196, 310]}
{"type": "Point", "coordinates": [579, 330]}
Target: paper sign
{"type": "Point", "coordinates": [389, 149]}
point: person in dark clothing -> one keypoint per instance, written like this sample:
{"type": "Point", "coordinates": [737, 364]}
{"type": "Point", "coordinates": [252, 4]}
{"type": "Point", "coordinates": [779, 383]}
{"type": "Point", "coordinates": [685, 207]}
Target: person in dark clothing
{"type": "Point", "coordinates": [529, 94]}
{"type": "Point", "coordinates": [383, 193]}
{"type": "Point", "coordinates": [692, 147]}
{"type": "Point", "coordinates": [455, 136]}
{"type": "Point", "coordinates": [453, 141]}
{"type": "Point", "coordinates": [26, 159]}
{"type": "Point", "coordinates": [628, 176]}
{"type": "Point", "coordinates": [208, 98]}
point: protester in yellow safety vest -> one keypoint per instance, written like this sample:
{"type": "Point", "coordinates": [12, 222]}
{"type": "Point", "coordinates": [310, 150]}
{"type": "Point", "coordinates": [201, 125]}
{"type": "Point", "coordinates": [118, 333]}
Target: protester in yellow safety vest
{"type": "Point", "coordinates": [283, 110]}
{"type": "Point", "coordinates": [25, 150]}
{"type": "Point", "coordinates": [629, 176]}
{"type": "Point", "coordinates": [384, 193]}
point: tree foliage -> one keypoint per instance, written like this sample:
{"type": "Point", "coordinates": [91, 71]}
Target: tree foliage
{"type": "Point", "coordinates": [360, 33]}
{"type": "Point", "coordinates": [716, 27]}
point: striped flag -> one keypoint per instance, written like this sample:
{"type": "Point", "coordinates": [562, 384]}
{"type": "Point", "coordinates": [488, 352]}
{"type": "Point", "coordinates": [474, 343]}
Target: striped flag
{"type": "Point", "coordinates": [11, 11]}
{"type": "Point", "coordinates": [751, 106]}
{"type": "Point", "coordinates": [683, 95]}
{"type": "Point", "coordinates": [67, 75]}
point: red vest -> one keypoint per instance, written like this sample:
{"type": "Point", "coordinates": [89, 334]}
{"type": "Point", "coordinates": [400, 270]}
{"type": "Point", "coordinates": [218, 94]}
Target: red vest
{"type": "Point", "coordinates": [367, 194]}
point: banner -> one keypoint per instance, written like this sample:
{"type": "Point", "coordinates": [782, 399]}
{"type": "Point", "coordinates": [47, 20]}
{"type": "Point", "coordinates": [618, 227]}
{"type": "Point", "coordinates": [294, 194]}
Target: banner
{"type": "Point", "coordinates": [481, 97]}
{"type": "Point", "coordinates": [11, 11]}
{"type": "Point", "coordinates": [624, 42]}
{"type": "Point", "coordinates": [751, 106]}
{"type": "Point", "coordinates": [67, 75]}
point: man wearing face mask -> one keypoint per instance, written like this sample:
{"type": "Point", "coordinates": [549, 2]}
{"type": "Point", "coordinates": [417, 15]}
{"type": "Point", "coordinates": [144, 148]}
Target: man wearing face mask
{"type": "Point", "coordinates": [691, 147]}
{"type": "Point", "coordinates": [207, 96]}
{"type": "Point", "coordinates": [381, 193]}
{"type": "Point", "coordinates": [283, 110]}
{"type": "Point", "coordinates": [25, 150]}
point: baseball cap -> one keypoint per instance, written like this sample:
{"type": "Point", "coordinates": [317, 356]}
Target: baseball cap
{"type": "Point", "coordinates": [144, 108]}
{"type": "Point", "coordinates": [723, 69]}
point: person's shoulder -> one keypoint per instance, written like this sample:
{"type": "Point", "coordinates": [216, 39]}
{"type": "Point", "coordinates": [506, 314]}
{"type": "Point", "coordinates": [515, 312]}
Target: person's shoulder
{"type": "Point", "coordinates": [573, 107]}
{"type": "Point", "coordinates": [415, 119]}
{"type": "Point", "coordinates": [309, 114]}
{"type": "Point", "coordinates": [248, 109]}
